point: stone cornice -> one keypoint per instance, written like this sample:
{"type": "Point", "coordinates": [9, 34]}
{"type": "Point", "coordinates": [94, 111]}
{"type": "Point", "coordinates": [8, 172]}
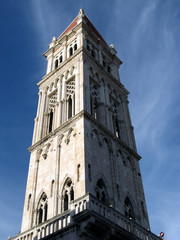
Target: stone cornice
{"type": "Point", "coordinates": [62, 128]}
{"type": "Point", "coordinates": [65, 126]}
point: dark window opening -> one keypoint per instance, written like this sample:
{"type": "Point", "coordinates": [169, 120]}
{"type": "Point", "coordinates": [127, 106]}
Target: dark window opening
{"type": "Point", "coordinates": [98, 195]}
{"type": "Point", "coordinates": [103, 197]}
{"type": "Point", "coordinates": [56, 64]}
{"type": "Point", "coordinates": [29, 201]}
{"type": "Point", "coordinates": [70, 107]}
{"type": "Point", "coordinates": [45, 212]}
{"type": "Point", "coordinates": [88, 48]}
{"type": "Point", "coordinates": [65, 202]}
{"type": "Point", "coordinates": [50, 121]}
{"type": "Point", "coordinates": [95, 109]}
{"type": "Point", "coordinates": [40, 212]}
{"type": "Point", "coordinates": [70, 51]}
{"type": "Point", "coordinates": [75, 47]}
{"type": "Point", "coordinates": [72, 194]}
{"type": "Point", "coordinates": [61, 59]}
{"type": "Point", "coordinates": [93, 53]}
{"type": "Point", "coordinates": [89, 172]}
{"type": "Point", "coordinates": [109, 69]}
{"type": "Point", "coordinates": [104, 63]}
{"type": "Point", "coordinates": [78, 172]}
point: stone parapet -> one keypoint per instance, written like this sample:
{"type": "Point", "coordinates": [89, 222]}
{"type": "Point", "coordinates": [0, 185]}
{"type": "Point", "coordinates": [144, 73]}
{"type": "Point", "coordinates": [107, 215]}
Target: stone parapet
{"type": "Point", "coordinates": [87, 204]}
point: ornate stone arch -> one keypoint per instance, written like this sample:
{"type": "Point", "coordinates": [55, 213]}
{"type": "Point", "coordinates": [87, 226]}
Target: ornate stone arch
{"type": "Point", "coordinates": [106, 182]}
{"type": "Point", "coordinates": [130, 210]}
{"type": "Point", "coordinates": [41, 207]}
{"type": "Point", "coordinates": [67, 194]}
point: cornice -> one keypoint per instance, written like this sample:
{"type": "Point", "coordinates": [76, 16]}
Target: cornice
{"type": "Point", "coordinates": [61, 129]}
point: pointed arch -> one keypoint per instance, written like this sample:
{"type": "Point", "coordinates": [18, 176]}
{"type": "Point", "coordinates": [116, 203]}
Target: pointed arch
{"type": "Point", "coordinates": [128, 209]}
{"type": "Point", "coordinates": [42, 209]}
{"type": "Point", "coordinates": [67, 194]}
{"type": "Point", "coordinates": [101, 191]}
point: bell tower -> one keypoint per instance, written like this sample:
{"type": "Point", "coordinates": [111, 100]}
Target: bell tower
{"type": "Point", "coordinates": [84, 180]}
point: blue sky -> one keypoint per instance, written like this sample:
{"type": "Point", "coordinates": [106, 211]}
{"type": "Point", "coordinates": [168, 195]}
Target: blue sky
{"type": "Point", "coordinates": [146, 34]}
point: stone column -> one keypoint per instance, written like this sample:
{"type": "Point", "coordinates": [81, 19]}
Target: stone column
{"type": "Point", "coordinates": [57, 176]}
{"type": "Point", "coordinates": [35, 175]}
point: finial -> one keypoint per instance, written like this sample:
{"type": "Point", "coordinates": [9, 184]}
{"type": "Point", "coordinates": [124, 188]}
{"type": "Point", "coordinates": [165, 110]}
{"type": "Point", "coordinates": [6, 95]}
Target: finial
{"type": "Point", "coordinates": [81, 13]}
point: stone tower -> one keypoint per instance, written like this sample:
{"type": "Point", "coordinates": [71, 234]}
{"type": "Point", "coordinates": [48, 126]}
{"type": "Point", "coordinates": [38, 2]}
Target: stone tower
{"type": "Point", "coordinates": [84, 180]}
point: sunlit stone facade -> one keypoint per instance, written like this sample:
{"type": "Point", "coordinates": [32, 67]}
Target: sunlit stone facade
{"type": "Point", "coordinates": [84, 180]}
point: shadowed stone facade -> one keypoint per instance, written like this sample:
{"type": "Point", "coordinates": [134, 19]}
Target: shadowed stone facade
{"type": "Point", "coordinates": [84, 180]}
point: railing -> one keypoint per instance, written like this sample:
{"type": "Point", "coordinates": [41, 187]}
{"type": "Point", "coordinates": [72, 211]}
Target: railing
{"type": "Point", "coordinates": [88, 202]}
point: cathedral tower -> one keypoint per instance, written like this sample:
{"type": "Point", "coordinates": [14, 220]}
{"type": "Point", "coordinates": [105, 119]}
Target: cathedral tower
{"type": "Point", "coordinates": [84, 180]}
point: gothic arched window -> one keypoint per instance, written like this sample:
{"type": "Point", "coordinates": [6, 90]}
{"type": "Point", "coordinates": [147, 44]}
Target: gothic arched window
{"type": "Point", "coordinates": [101, 192]}
{"type": "Point", "coordinates": [42, 209]}
{"type": "Point", "coordinates": [67, 194]}
{"type": "Point", "coordinates": [128, 209]}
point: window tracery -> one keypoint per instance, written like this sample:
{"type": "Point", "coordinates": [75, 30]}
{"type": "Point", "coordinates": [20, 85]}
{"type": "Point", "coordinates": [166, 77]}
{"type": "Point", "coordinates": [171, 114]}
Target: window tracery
{"type": "Point", "coordinates": [94, 100]}
{"type": "Point", "coordinates": [42, 209]}
{"type": "Point", "coordinates": [72, 48]}
{"type": "Point", "coordinates": [92, 49]}
{"type": "Point", "coordinates": [115, 119]}
{"type": "Point", "coordinates": [70, 91]}
{"type": "Point", "coordinates": [101, 192]}
{"type": "Point", "coordinates": [51, 111]}
{"type": "Point", "coordinates": [58, 59]}
{"type": "Point", "coordinates": [128, 209]}
{"type": "Point", "coordinates": [68, 194]}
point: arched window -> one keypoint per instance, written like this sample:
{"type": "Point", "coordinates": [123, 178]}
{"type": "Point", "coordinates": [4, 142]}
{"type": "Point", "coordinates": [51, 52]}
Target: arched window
{"type": "Point", "coordinates": [50, 121]}
{"type": "Point", "coordinates": [75, 46]}
{"type": "Point", "coordinates": [70, 51]}
{"type": "Point", "coordinates": [61, 59]}
{"type": "Point", "coordinates": [42, 209]}
{"type": "Point", "coordinates": [67, 194]}
{"type": "Point", "coordinates": [56, 64]}
{"type": "Point", "coordinates": [128, 209]}
{"type": "Point", "coordinates": [101, 192]}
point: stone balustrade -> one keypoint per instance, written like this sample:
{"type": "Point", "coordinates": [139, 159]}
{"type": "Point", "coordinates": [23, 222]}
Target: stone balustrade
{"type": "Point", "coordinates": [87, 202]}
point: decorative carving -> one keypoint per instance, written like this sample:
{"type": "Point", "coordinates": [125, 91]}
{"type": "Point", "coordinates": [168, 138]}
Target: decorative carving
{"type": "Point", "coordinates": [67, 140]}
{"type": "Point", "coordinates": [70, 88]}
{"type": "Point", "coordinates": [46, 151]}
